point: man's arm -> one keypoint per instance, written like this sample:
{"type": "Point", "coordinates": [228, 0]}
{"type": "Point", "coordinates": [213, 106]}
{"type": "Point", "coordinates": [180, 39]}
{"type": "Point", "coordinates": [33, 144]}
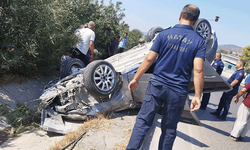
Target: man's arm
{"type": "Point", "coordinates": [109, 51]}
{"type": "Point", "coordinates": [240, 93]}
{"type": "Point", "coordinates": [91, 47]}
{"type": "Point", "coordinates": [235, 81]}
{"type": "Point", "coordinates": [198, 83]}
{"type": "Point", "coordinates": [147, 62]}
{"type": "Point", "coordinates": [126, 42]}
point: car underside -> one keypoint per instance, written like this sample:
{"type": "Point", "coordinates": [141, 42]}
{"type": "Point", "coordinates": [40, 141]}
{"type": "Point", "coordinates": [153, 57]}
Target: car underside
{"type": "Point", "coordinates": [101, 86]}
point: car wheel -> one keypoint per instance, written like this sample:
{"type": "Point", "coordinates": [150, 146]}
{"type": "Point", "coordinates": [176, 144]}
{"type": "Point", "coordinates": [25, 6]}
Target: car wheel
{"type": "Point", "coordinates": [152, 32]}
{"type": "Point", "coordinates": [70, 66]}
{"type": "Point", "coordinates": [203, 27]}
{"type": "Point", "coordinates": [100, 78]}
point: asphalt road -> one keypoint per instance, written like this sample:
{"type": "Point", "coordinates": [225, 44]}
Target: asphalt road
{"type": "Point", "coordinates": [213, 135]}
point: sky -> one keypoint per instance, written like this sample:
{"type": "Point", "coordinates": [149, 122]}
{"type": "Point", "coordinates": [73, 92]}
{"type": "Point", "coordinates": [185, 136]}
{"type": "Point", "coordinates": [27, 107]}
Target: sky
{"type": "Point", "coordinates": [233, 26]}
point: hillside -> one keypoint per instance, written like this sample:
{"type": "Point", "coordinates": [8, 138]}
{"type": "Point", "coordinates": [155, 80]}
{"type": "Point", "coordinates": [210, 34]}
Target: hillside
{"type": "Point", "coordinates": [230, 48]}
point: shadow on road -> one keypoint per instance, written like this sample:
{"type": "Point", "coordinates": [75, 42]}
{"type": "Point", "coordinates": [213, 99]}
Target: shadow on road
{"type": "Point", "coordinates": [153, 130]}
{"type": "Point", "coordinates": [216, 130]}
{"type": "Point", "coordinates": [191, 139]}
{"type": "Point", "coordinates": [205, 115]}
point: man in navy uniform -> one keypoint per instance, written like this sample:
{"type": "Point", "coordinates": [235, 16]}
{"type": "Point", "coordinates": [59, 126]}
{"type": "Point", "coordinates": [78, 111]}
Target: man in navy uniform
{"type": "Point", "coordinates": [226, 97]}
{"type": "Point", "coordinates": [218, 66]}
{"type": "Point", "coordinates": [180, 50]}
{"type": "Point", "coordinates": [113, 46]}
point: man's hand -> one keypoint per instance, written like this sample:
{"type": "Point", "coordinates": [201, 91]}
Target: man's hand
{"type": "Point", "coordinates": [132, 85]}
{"type": "Point", "coordinates": [91, 58]}
{"type": "Point", "coordinates": [198, 83]}
{"type": "Point", "coordinates": [146, 63]}
{"type": "Point", "coordinates": [236, 100]}
{"type": "Point", "coordinates": [91, 47]}
{"type": "Point", "coordinates": [195, 104]}
{"type": "Point", "coordinates": [240, 93]}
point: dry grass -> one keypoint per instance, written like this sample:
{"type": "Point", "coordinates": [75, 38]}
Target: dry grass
{"type": "Point", "coordinates": [128, 133]}
{"type": "Point", "coordinates": [89, 124]}
{"type": "Point", "coordinates": [105, 125]}
{"type": "Point", "coordinates": [101, 122]}
{"type": "Point", "coordinates": [123, 145]}
{"type": "Point", "coordinates": [4, 135]}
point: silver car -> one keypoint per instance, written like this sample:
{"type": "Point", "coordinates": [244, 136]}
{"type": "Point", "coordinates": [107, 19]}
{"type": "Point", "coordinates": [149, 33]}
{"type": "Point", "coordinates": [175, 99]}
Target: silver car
{"type": "Point", "coordinates": [102, 86]}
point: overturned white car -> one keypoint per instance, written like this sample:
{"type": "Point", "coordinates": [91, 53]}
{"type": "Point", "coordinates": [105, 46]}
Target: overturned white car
{"type": "Point", "coordinates": [102, 85]}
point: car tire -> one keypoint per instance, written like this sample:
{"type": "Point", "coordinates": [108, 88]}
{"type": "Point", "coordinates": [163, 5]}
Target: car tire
{"type": "Point", "coordinates": [70, 66]}
{"type": "Point", "coordinates": [151, 33]}
{"type": "Point", "coordinates": [100, 78]}
{"type": "Point", "coordinates": [203, 27]}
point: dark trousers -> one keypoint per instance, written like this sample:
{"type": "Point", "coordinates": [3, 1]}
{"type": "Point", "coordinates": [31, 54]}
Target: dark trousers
{"type": "Point", "coordinates": [120, 50]}
{"type": "Point", "coordinates": [157, 95]}
{"type": "Point", "coordinates": [225, 102]}
{"type": "Point", "coordinates": [76, 53]}
{"type": "Point", "coordinates": [205, 100]}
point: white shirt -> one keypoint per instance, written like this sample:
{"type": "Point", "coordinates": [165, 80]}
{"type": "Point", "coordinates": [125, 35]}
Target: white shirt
{"type": "Point", "coordinates": [85, 35]}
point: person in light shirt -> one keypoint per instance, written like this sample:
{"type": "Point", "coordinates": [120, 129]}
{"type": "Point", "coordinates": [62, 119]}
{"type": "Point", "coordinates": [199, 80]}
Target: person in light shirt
{"type": "Point", "coordinates": [242, 122]}
{"type": "Point", "coordinates": [123, 42]}
{"type": "Point", "coordinates": [86, 38]}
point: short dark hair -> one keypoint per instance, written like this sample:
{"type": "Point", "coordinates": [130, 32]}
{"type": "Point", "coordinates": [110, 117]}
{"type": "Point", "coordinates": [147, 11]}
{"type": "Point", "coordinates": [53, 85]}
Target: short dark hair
{"type": "Point", "coordinates": [126, 33]}
{"type": "Point", "coordinates": [190, 12]}
{"type": "Point", "coordinates": [243, 62]}
{"type": "Point", "coordinates": [219, 54]}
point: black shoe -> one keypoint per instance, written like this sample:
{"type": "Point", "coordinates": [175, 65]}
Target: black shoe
{"type": "Point", "coordinates": [215, 113]}
{"type": "Point", "coordinates": [202, 108]}
{"type": "Point", "coordinates": [221, 117]}
{"type": "Point", "coordinates": [240, 138]}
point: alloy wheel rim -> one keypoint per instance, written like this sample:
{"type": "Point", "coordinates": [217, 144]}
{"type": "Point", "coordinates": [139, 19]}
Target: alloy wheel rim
{"type": "Point", "coordinates": [104, 78]}
{"type": "Point", "coordinates": [204, 30]}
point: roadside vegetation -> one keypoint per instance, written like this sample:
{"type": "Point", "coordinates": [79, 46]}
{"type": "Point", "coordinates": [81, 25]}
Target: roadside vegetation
{"type": "Point", "coordinates": [34, 34]}
{"type": "Point", "coordinates": [19, 119]}
{"type": "Point", "coordinates": [245, 56]}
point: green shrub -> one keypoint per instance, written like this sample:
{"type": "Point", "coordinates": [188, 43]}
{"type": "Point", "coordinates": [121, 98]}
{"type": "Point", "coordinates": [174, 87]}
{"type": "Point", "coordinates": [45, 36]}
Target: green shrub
{"type": "Point", "coordinates": [20, 118]}
{"type": "Point", "coordinates": [35, 34]}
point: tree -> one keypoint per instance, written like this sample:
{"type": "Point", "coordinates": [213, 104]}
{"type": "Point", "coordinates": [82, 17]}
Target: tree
{"type": "Point", "coordinates": [246, 56]}
{"type": "Point", "coordinates": [35, 34]}
{"type": "Point", "coordinates": [222, 51]}
{"type": "Point", "coordinates": [105, 17]}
